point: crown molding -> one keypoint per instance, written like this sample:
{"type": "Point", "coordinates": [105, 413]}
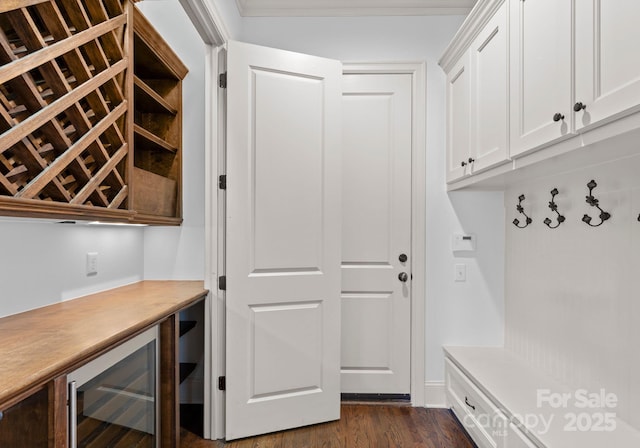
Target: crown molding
{"type": "Point", "coordinates": [470, 28]}
{"type": "Point", "coordinates": [336, 8]}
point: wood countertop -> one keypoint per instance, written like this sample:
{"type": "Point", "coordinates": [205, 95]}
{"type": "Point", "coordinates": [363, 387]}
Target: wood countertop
{"type": "Point", "coordinates": [41, 344]}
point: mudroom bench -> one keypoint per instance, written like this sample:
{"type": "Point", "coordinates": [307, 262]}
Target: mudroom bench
{"type": "Point", "coordinates": [504, 403]}
{"type": "Point", "coordinates": [101, 368]}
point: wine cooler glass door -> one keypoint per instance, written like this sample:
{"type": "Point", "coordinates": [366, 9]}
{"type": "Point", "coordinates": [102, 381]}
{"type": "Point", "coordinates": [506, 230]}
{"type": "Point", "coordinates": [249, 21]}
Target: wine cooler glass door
{"type": "Point", "coordinates": [113, 399]}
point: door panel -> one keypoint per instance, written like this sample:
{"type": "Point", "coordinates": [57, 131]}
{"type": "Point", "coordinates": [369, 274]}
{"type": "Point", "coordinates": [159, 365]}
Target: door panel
{"type": "Point", "coordinates": [607, 79]}
{"type": "Point", "coordinates": [376, 306]}
{"type": "Point", "coordinates": [540, 72]}
{"type": "Point", "coordinates": [489, 120]}
{"type": "Point", "coordinates": [287, 238]}
{"type": "Point", "coordinates": [283, 240]}
{"type": "Point", "coordinates": [458, 131]}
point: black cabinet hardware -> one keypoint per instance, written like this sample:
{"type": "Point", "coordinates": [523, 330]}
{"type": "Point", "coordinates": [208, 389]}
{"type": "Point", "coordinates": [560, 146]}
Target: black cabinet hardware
{"type": "Point", "coordinates": [466, 401]}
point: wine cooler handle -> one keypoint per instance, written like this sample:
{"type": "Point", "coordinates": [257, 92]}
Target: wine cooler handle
{"type": "Point", "coordinates": [73, 416]}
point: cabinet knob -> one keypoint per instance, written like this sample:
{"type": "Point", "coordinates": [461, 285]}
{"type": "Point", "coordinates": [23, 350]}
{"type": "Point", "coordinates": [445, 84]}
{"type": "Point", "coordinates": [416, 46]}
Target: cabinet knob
{"type": "Point", "coordinates": [558, 117]}
{"type": "Point", "coordinates": [579, 106]}
{"type": "Point", "coordinates": [471, 160]}
{"type": "Point", "coordinates": [463, 163]}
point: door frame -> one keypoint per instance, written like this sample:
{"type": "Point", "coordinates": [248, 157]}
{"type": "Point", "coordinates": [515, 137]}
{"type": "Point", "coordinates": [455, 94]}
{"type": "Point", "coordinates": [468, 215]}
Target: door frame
{"type": "Point", "coordinates": [208, 21]}
{"type": "Point", "coordinates": [418, 209]}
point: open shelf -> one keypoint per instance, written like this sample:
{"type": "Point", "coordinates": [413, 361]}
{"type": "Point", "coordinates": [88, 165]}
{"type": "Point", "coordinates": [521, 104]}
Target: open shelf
{"type": "Point", "coordinates": [144, 138]}
{"type": "Point", "coordinates": [155, 194]}
{"type": "Point", "coordinates": [186, 369]}
{"type": "Point", "coordinates": [186, 326]}
{"type": "Point", "coordinates": [155, 126]}
{"type": "Point", "coordinates": [147, 100]}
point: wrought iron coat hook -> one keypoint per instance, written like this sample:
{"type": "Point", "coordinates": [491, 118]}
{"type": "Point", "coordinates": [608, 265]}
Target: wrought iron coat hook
{"type": "Point", "coordinates": [528, 220]}
{"type": "Point", "coordinates": [554, 207]}
{"type": "Point", "coordinates": [593, 202]}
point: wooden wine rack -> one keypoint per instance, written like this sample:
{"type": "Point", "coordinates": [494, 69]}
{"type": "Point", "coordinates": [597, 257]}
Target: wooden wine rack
{"type": "Point", "coordinates": [67, 129]}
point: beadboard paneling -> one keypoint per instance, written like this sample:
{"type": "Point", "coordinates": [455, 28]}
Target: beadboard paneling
{"type": "Point", "coordinates": [572, 293]}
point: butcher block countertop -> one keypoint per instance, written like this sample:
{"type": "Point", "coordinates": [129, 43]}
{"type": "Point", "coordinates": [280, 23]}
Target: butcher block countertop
{"type": "Point", "coordinates": [41, 344]}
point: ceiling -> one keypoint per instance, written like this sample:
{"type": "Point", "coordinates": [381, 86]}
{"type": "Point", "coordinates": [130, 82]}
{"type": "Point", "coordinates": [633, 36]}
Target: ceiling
{"type": "Point", "coordinates": [290, 8]}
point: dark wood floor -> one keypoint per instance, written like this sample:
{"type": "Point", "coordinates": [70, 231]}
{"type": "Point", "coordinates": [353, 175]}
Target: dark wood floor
{"type": "Point", "coordinates": [361, 426]}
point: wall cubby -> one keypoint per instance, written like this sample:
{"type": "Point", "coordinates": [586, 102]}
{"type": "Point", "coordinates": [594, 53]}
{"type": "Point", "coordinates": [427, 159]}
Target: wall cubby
{"type": "Point", "coordinates": [155, 125]}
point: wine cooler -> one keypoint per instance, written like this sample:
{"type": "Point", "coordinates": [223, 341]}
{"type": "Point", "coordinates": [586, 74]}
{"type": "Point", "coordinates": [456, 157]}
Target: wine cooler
{"type": "Point", "coordinates": [113, 399]}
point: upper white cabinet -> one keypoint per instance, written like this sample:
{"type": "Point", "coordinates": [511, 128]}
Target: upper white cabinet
{"type": "Point", "coordinates": [540, 73]}
{"type": "Point", "coordinates": [458, 113]}
{"type": "Point", "coordinates": [530, 75]}
{"type": "Point", "coordinates": [607, 74]}
{"type": "Point", "coordinates": [477, 101]}
{"type": "Point", "coordinates": [490, 94]}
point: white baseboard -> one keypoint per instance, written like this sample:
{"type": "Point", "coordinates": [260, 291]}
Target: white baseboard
{"type": "Point", "coordinates": [434, 396]}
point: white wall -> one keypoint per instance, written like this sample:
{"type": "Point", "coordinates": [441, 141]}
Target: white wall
{"type": "Point", "coordinates": [468, 313]}
{"type": "Point", "coordinates": [178, 252]}
{"type": "Point", "coordinates": [572, 308]}
{"type": "Point", "coordinates": [43, 262]}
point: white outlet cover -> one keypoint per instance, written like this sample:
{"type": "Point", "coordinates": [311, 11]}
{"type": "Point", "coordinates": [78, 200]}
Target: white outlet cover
{"type": "Point", "coordinates": [92, 263]}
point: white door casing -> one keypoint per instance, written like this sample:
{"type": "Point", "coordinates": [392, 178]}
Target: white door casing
{"type": "Point", "coordinates": [283, 240]}
{"type": "Point", "coordinates": [376, 229]}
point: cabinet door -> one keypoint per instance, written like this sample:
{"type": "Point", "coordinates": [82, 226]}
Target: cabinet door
{"type": "Point", "coordinates": [607, 65]}
{"type": "Point", "coordinates": [25, 425]}
{"type": "Point", "coordinates": [458, 94]}
{"type": "Point", "coordinates": [516, 439]}
{"type": "Point", "coordinates": [489, 90]}
{"type": "Point", "coordinates": [540, 72]}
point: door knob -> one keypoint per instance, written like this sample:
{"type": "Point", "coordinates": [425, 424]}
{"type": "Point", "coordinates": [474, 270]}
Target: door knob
{"type": "Point", "coordinates": [471, 160]}
{"type": "Point", "coordinates": [558, 117]}
{"type": "Point", "coordinates": [403, 258]}
{"type": "Point", "coordinates": [579, 106]}
{"type": "Point", "coordinates": [403, 277]}
{"type": "Point", "coordinates": [463, 163]}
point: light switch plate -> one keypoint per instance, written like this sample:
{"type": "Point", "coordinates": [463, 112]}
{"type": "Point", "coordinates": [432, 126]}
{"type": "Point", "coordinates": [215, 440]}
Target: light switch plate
{"type": "Point", "coordinates": [460, 273]}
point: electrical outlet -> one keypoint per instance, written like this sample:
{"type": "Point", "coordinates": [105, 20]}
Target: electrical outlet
{"type": "Point", "coordinates": [92, 263]}
{"type": "Point", "coordinates": [460, 272]}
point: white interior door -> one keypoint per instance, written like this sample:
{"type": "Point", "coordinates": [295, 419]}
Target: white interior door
{"type": "Point", "coordinates": [376, 227]}
{"type": "Point", "coordinates": [283, 240]}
